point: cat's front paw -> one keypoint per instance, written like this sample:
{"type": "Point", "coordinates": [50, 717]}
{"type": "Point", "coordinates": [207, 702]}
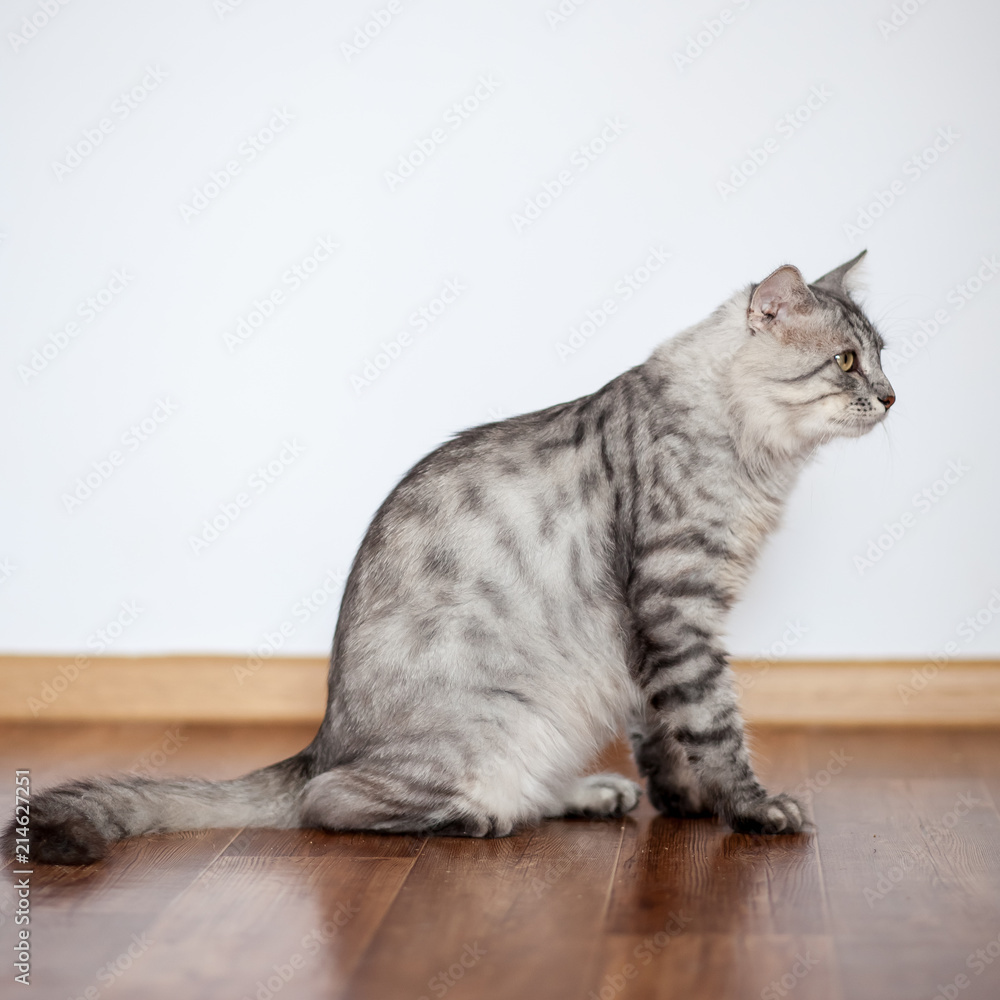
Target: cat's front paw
{"type": "Point", "coordinates": [774, 814]}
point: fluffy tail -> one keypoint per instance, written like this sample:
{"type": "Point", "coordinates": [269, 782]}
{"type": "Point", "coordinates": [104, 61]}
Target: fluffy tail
{"type": "Point", "coordinates": [76, 823]}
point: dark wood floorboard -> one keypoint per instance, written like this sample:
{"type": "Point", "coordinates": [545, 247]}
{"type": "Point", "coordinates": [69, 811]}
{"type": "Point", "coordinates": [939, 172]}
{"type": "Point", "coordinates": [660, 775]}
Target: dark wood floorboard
{"type": "Point", "coordinates": [911, 861]}
{"type": "Point", "coordinates": [894, 894]}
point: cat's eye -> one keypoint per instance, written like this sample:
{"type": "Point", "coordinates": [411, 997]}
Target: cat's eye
{"type": "Point", "coordinates": [845, 359]}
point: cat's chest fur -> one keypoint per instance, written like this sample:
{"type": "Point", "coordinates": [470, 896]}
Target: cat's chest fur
{"type": "Point", "coordinates": [719, 515]}
{"type": "Point", "coordinates": [754, 513]}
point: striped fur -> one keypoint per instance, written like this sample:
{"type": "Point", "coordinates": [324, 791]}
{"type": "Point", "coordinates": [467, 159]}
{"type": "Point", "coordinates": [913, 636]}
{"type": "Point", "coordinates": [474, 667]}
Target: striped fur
{"type": "Point", "coordinates": [536, 586]}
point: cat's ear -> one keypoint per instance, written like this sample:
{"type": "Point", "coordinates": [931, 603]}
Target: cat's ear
{"type": "Point", "coordinates": [776, 302]}
{"type": "Point", "coordinates": [837, 280]}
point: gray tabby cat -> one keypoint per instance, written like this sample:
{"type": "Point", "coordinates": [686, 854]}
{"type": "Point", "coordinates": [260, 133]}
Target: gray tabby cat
{"type": "Point", "coordinates": [536, 586]}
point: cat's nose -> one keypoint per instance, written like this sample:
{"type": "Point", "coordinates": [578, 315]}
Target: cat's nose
{"type": "Point", "coordinates": [887, 400]}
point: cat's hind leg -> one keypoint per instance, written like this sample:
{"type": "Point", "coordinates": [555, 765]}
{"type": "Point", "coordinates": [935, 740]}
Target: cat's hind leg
{"type": "Point", "coordinates": [368, 797]}
{"type": "Point", "coordinates": [599, 796]}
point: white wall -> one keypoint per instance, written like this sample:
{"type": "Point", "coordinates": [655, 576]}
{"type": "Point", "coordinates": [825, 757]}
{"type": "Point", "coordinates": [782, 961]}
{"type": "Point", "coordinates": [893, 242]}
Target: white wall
{"type": "Point", "coordinates": [207, 77]}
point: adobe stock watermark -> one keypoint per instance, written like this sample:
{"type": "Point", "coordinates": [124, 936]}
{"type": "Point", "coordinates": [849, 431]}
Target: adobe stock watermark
{"type": "Point", "coordinates": [154, 759]}
{"type": "Point", "coordinates": [226, 7]}
{"type": "Point", "coordinates": [580, 160]}
{"type": "Point", "coordinates": [111, 972]}
{"type": "Point", "coordinates": [454, 117]}
{"type": "Point", "coordinates": [87, 310]}
{"type": "Point", "coordinates": [131, 440]}
{"type": "Point", "coordinates": [923, 501]}
{"type": "Point", "coordinates": [121, 109]}
{"type": "Point", "coordinates": [291, 281]}
{"type": "Point", "coordinates": [808, 789]}
{"type": "Point", "coordinates": [247, 152]}
{"type": "Point", "coordinates": [31, 24]}
{"type": "Point", "coordinates": [766, 658]}
{"type": "Point", "coordinates": [898, 17]}
{"type": "Point", "coordinates": [7, 570]}
{"type": "Point", "coordinates": [800, 968]}
{"type": "Point", "coordinates": [888, 881]}
{"type": "Point", "coordinates": [8, 901]}
{"type": "Point", "coordinates": [624, 288]}
{"type": "Point", "coordinates": [372, 28]}
{"type": "Point", "coordinates": [786, 127]}
{"type": "Point", "coordinates": [98, 642]}
{"type": "Point", "coordinates": [968, 630]}
{"type": "Point", "coordinates": [977, 963]}
{"type": "Point", "coordinates": [315, 941]}
{"type": "Point", "coordinates": [643, 953]}
{"type": "Point", "coordinates": [562, 12]}
{"type": "Point", "coordinates": [444, 980]}
{"type": "Point", "coordinates": [258, 483]}
{"type": "Point", "coordinates": [23, 952]}
{"type": "Point", "coordinates": [540, 884]}
{"type": "Point", "coordinates": [898, 357]}
{"type": "Point", "coordinates": [418, 322]}
{"type": "Point", "coordinates": [273, 640]}
{"type": "Point", "coordinates": [19, 834]}
{"type": "Point", "coordinates": [553, 873]}
{"type": "Point", "coordinates": [913, 169]}
{"type": "Point", "coordinates": [712, 28]}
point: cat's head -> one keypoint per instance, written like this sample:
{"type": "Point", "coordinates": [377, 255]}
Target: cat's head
{"type": "Point", "coordinates": [810, 364]}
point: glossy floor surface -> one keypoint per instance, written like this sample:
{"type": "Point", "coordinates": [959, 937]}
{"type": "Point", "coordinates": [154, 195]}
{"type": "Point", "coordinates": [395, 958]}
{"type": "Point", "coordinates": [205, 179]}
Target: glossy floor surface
{"type": "Point", "coordinates": [896, 894]}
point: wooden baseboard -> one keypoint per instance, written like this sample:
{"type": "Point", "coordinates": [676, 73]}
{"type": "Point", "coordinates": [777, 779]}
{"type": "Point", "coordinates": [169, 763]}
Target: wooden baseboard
{"type": "Point", "coordinates": [291, 689]}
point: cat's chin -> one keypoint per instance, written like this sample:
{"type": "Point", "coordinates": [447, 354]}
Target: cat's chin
{"type": "Point", "coordinates": [858, 428]}
{"type": "Point", "coordinates": [841, 429]}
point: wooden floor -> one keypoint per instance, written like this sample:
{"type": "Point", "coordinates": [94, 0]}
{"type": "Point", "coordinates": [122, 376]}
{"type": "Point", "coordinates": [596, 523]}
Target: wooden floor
{"type": "Point", "coordinates": [895, 895]}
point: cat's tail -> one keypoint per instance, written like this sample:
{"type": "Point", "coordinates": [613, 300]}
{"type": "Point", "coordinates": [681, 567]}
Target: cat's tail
{"type": "Point", "coordinates": [76, 823]}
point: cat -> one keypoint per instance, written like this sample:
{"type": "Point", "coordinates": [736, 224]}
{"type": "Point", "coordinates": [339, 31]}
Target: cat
{"type": "Point", "coordinates": [539, 585]}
